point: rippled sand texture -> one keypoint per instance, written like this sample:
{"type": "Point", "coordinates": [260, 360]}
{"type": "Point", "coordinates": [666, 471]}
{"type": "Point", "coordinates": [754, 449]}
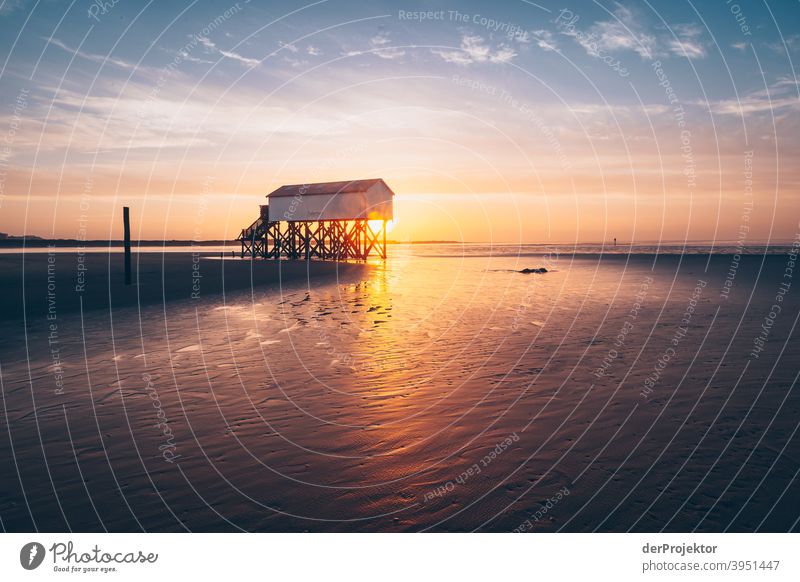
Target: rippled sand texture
{"type": "Point", "coordinates": [440, 393]}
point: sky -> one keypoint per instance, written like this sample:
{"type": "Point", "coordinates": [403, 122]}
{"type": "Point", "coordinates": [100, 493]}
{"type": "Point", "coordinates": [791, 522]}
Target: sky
{"type": "Point", "coordinates": [556, 121]}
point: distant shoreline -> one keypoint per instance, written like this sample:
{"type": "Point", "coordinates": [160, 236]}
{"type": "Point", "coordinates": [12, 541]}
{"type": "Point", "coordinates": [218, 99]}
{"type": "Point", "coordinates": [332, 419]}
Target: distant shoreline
{"type": "Point", "coordinates": [19, 243]}
{"type": "Point", "coordinates": [66, 242]}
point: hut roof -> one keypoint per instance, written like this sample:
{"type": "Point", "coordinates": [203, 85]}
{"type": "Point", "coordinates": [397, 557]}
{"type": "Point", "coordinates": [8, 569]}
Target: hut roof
{"type": "Point", "coordinates": [326, 188]}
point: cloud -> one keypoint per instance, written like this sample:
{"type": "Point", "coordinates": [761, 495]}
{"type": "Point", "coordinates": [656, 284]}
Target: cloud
{"type": "Point", "coordinates": [625, 32]}
{"type": "Point", "coordinates": [186, 56]}
{"type": "Point", "coordinates": [688, 49]}
{"type": "Point", "coordinates": [740, 46]}
{"type": "Point", "coordinates": [313, 51]}
{"type": "Point", "coordinates": [9, 6]}
{"type": "Point", "coordinates": [381, 46]}
{"type": "Point", "coordinates": [781, 95]}
{"type": "Point", "coordinates": [545, 40]}
{"type": "Point", "coordinates": [475, 50]}
{"type": "Point", "coordinates": [788, 44]}
{"type": "Point", "coordinates": [209, 44]}
{"type": "Point", "coordinates": [295, 62]}
{"type": "Point", "coordinates": [114, 121]}
{"type": "Point", "coordinates": [95, 58]}
{"type": "Point", "coordinates": [687, 43]}
{"type": "Point", "coordinates": [291, 49]}
{"type": "Point", "coordinates": [622, 33]}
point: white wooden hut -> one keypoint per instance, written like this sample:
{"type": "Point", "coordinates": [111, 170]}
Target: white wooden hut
{"type": "Point", "coordinates": [330, 220]}
{"type": "Point", "coordinates": [354, 200]}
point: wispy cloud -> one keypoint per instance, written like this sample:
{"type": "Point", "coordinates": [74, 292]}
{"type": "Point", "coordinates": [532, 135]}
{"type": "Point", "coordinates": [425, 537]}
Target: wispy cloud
{"type": "Point", "coordinates": [545, 40]}
{"type": "Point", "coordinates": [95, 58]}
{"type": "Point", "coordinates": [382, 47]}
{"type": "Point", "coordinates": [289, 50]}
{"type": "Point", "coordinates": [288, 46]}
{"type": "Point", "coordinates": [789, 44]}
{"type": "Point", "coordinates": [624, 32]}
{"type": "Point", "coordinates": [628, 32]}
{"type": "Point", "coordinates": [474, 49]}
{"type": "Point", "coordinates": [9, 6]}
{"type": "Point", "coordinates": [211, 45]}
{"type": "Point", "coordinates": [313, 51]}
{"type": "Point", "coordinates": [687, 41]}
{"type": "Point", "coordinates": [780, 96]}
{"type": "Point", "coordinates": [295, 62]}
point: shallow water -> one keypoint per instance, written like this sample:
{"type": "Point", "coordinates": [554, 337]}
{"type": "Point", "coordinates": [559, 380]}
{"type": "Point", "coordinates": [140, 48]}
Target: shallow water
{"type": "Point", "coordinates": [444, 392]}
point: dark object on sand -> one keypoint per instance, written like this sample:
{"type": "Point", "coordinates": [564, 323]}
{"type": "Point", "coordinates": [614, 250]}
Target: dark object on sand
{"type": "Point", "coordinates": [539, 270]}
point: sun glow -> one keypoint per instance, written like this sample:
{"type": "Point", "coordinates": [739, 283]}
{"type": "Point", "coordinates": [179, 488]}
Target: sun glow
{"type": "Point", "coordinates": [376, 225]}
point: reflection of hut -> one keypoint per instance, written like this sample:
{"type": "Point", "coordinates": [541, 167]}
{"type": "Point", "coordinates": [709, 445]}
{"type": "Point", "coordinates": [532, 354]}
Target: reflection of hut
{"type": "Point", "coordinates": [332, 220]}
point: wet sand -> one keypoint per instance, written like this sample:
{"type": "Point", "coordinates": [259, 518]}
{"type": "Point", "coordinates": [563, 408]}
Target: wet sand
{"type": "Point", "coordinates": [435, 394]}
{"type": "Point", "coordinates": [68, 282]}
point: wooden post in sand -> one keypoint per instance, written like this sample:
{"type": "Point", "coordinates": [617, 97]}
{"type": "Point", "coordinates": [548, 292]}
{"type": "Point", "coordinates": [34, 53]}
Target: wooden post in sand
{"type": "Point", "coordinates": [126, 222]}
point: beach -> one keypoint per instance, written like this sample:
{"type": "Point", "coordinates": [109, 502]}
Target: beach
{"type": "Point", "coordinates": [66, 282]}
{"type": "Point", "coordinates": [442, 390]}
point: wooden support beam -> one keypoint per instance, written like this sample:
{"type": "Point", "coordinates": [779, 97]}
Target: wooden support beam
{"type": "Point", "coordinates": [324, 239]}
